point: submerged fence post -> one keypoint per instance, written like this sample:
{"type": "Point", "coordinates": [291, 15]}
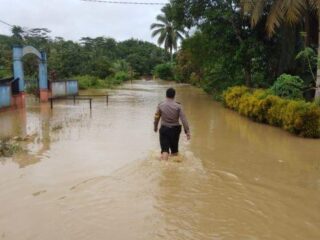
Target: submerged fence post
{"type": "Point", "coordinates": [74, 99]}
{"type": "Point", "coordinates": [51, 103]}
{"type": "Point", "coordinates": [90, 100]}
{"type": "Point", "coordinates": [107, 99]}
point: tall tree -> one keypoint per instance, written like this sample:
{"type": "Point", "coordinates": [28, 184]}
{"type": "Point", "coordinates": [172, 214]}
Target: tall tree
{"type": "Point", "coordinates": [283, 11]}
{"type": "Point", "coordinates": [168, 33]}
{"type": "Point", "coordinates": [17, 34]}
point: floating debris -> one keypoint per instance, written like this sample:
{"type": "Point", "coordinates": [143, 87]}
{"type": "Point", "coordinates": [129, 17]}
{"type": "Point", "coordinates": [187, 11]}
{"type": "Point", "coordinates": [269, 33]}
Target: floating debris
{"type": "Point", "coordinates": [27, 138]}
{"type": "Point", "coordinates": [8, 147]}
{"type": "Point", "coordinates": [38, 193]}
{"type": "Point", "coordinates": [57, 127]}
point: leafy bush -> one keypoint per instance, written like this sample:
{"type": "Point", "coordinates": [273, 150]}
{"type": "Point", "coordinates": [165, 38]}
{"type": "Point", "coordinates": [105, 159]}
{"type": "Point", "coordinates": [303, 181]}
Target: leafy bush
{"type": "Point", "coordinates": [250, 106]}
{"type": "Point", "coordinates": [4, 73]}
{"type": "Point", "coordinates": [317, 101]}
{"type": "Point", "coordinates": [288, 86]}
{"type": "Point", "coordinates": [31, 86]}
{"type": "Point", "coordinates": [231, 97]}
{"type": "Point", "coordinates": [183, 68]}
{"type": "Point", "coordinates": [121, 76]}
{"type": "Point", "coordinates": [121, 66]}
{"type": "Point", "coordinates": [195, 79]}
{"type": "Point", "coordinates": [164, 71]}
{"type": "Point", "coordinates": [302, 118]}
{"type": "Point", "coordinates": [296, 116]}
{"type": "Point", "coordinates": [276, 109]}
{"type": "Point", "coordinates": [88, 81]}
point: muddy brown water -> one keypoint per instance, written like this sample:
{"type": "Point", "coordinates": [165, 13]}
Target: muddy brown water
{"type": "Point", "coordinates": [96, 175]}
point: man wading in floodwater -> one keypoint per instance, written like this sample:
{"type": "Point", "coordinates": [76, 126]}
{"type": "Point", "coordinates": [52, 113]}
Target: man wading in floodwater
{"type": "Point", "coordinates": [170, 111]}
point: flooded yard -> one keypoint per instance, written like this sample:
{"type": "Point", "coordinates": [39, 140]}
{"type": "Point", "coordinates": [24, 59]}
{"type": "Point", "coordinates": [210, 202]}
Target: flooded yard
{"type": "Point", "coordinates": [96, 175]}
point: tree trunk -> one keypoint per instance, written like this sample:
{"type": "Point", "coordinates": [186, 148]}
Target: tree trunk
{"type": "Point", "coordinates": [311, 22]}
{"type": "Point", "coordinates": [171, 55]}
{"type": "Point", "coordinates": [307, 30]}
{"type": "Point", "coordinates": [317, 94]}
{"type": "Point", "coordinates": [247, 75]}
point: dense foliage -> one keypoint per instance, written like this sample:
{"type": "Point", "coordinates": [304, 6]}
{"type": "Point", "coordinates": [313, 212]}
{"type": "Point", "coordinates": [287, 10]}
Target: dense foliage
{"type": "Point", "coordinates": [164, 71]}
{"type": "Point", "coordinates": [224, 48]}
{"type": "Point", "coordinates": [296, 116]}
{"type": "Point", "coordinates": [288, 86]}
{"type": "Point", "coordinates": [100, 61]}
{"type": "Point", "coordinates": [268, 45]}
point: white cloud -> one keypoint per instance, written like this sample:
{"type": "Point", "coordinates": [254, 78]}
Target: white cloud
{"type": "Point", "coordinates": [73, 19]}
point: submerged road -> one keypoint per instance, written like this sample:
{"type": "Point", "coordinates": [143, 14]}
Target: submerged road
{"type": "Point", "coordinates": [96, 175]}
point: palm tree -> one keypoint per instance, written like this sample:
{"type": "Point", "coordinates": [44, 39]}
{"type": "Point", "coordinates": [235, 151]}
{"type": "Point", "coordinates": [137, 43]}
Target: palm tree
{"type": "Point", "coordinates": [169, 35]}
{"type": "Point", "coordinates": [283, 11]}
{"type": "Point", "coordinates": [17, 32]}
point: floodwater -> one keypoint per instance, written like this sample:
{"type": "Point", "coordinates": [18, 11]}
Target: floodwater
{"type": "Point", "coordinates": [96, 175]}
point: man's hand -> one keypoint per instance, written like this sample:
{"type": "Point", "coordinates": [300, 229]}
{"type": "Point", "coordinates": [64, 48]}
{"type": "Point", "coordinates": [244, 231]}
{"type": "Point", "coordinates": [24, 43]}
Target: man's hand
{"type": "Point", "coordinates": [155, 129]}
{"type": "Point", "coordinates": [188, 136]}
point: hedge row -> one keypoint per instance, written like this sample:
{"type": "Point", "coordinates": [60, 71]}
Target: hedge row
{"type": "Point", "coordinates": [296, 116]}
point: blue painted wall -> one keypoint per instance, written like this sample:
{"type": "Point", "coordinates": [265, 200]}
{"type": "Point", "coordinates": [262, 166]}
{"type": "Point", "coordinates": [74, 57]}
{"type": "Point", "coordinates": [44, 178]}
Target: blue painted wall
{"type": "Point", "coordinates": [58, 89]}
{"type": "Point", "coordinates": [72, 87]}
{"type": "Point", "coordinates": [64, 88]}
{"type": "Point", "coordinates": [5, 96]}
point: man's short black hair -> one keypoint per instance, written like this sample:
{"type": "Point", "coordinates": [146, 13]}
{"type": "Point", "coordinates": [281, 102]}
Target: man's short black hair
{"type": "Point", "coordinates": [171, 93]}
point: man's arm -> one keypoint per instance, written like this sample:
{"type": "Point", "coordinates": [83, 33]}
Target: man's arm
{"type": "Point", "coordinates": [157, 117]}
{"type": "Point", "coordinates": [184, 123]}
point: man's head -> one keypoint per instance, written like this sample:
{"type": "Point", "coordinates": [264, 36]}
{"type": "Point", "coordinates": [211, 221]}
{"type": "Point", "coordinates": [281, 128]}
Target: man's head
{"type": "Point", "coordinates": [171, 93]}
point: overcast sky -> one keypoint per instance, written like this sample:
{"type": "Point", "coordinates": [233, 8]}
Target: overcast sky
{"type": "Point", "coordinates": [73, 19]}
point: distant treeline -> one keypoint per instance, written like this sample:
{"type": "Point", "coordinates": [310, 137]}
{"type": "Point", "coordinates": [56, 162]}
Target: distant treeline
{"type": "Point", "coordinates": [101, 57]}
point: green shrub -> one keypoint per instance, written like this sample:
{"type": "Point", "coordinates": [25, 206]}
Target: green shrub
{"type": "Point", "coordinates": [164, 71]}
{"type": "Point", "coordinates": [288, 86]}
{"type": "Point", "coordinates": [317, 101]}
{"type": "Point", "coordinates": [121, 76]}
{"type": "Point", "coordinates": [296, 116]}
{"type": "Point", "coordinates": [276, 108]}
{"type": "Point", "coordinates": [4, 73]}
{"type": "Point", "coordinates": [88, 81]}
{"type": "Point", "coordinates": [249, 106]}
{"type": "Point", "coordinates": [302, 118]}
{"type": "Point", "coordinates": [231, 97]}
{"type": "Point", "coordinates": [194, 79]}
{"type": "Point", "coordinates": [32, 88]}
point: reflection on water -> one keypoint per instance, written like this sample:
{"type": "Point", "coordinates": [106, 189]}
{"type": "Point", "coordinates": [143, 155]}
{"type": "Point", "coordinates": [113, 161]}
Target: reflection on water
{"type": "Point", "coordinates": [96, 175]}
